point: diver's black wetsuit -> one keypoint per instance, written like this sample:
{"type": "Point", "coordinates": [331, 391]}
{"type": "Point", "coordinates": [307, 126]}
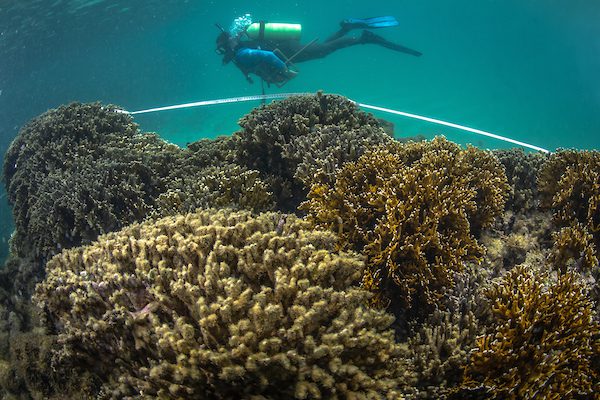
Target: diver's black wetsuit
{"type": "Point", "coordinates": [259, 57]}
{"type": "Point", "coordinates": [303, 52]}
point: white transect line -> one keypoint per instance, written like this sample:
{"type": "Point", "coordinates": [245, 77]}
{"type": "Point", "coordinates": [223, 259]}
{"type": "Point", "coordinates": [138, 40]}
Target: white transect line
{"type": "Point", "coordinates": [453, 125]}
{"type": "Point", "coordinates": [218, 101]}
{"type": "Point", "coordinates": [368, 106]}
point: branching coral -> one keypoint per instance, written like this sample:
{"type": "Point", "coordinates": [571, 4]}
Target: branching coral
{"type": "Point", "coordinates": [228, 186]}
{"type": "Point", "coordinates": [522, 171]}
{"type": "Point", "coordinates": [574, 244]}
{"type": "Point", "coordinates": [78, 171]}
{"type": "Point", "coordinates": [542, 342]}
{"type": "Point", "coordinates": [570, 186]}
{"type": "Point", "coordinates": [221, 305]}
{"type": "Point", "coordinates": [413, 210]}
{"type": "Point", "coordinates": [321, 152]}
{"type": "Point", "coordinates": [212, 152]}
{"type": "Point", "coordinates": [439, 350]}
{"type": "Point", "coordinates": [291, 141]}
{"type": "Point", "coordinates": [439, 346]}
{"type": "Point", "coordinates": [515, 237]}
{"type": "Point", "coordinates": [29, 371]}
{"type": "Point", "coordinates": [82, 170]}
{"type": "Point", "coordinates": [577, 194]}
{"type": "Point", "coordinates": [569, 183]}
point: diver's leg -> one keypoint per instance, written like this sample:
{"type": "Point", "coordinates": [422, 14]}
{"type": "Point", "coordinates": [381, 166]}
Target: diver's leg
{"type": "Point", "coordinates": [320, 50]}
{"type": "Point", "coordinates": [344, 29]}
{"type": "Point", "coordinates": [342, 32]}
{"type": "Point", "coordinates": [370, 37]}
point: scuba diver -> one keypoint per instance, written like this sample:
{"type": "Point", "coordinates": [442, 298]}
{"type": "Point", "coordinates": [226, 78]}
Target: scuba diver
{"type": "Point", "coordinates": [268, 49]}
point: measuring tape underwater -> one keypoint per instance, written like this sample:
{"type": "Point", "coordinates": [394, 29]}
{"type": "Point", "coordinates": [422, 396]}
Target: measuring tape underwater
{"type": "Point", "coordinates": [263, 97]}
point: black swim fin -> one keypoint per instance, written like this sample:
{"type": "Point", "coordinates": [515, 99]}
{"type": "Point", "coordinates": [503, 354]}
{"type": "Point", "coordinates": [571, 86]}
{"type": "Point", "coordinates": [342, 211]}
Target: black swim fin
{"type": "Point", "coordinates": [370, 37]}
{"type": "Point", "coordinates": [370, 23]}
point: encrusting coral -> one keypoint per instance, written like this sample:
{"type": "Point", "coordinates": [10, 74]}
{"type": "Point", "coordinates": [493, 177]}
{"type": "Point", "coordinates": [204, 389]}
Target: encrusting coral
{"type": "Point", "coordinates": [413, 209]}
{"type": "Point", "coordinates": [542, 343]}
{"type": "Point", "coordinates": [222, 305]}
{"type": "Point", "coordinates": [292, 141]}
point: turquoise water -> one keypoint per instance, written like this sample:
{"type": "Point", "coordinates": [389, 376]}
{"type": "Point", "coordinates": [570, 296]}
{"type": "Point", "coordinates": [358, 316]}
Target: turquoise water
{"type": "Point", "coordinates": [523, 69]}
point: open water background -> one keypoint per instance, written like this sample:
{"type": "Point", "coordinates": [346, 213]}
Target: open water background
{"type": "Point", "coordinates": [527, 69]}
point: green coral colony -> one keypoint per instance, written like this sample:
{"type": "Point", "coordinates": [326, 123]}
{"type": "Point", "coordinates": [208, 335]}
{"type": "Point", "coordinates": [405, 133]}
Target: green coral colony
{"type": "Point", "coordinates": [310, 255]}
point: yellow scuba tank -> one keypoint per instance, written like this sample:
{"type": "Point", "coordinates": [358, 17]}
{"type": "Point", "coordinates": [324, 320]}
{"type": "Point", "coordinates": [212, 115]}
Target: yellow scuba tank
{"type": "Point", "coordinates": [274, 31]}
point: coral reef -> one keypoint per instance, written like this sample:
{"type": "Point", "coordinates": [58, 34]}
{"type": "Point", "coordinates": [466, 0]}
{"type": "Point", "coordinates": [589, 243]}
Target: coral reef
{"type": "Point", "coordinates": [78, 171]}
{"type": "Point", "coordinates": [439, 346]}
{"type": "Point", "coordinates": [186, 288]}
{"type": "Point", "coordinates": [223, 305]}
{"type": "Point", "coordinates": [439, 351]}
{"type": "Point", "coordinates": [522, 171]}
{"type": "Point", "coordinates": [29, 370]}
{"type": "Point", "coordinates": [569, 185]}
{"type": "Point", "coordinates": [227, 186]}
{"type": "Point", "coordinates": [291, 141]}
{"type": "Point", "coordinates": [574, 249]}
{"type": "Point", "coordinates": [413, 209]}
{"type": "Point", "coordinates": [25, 350]}
{"type": "Point", "coordinates": [318, 154]}
{"type": "Point", "coordinates": [515, 237]}
{"type": "Point", "coordinates": [213, 152]}
{"type": "Point", "coordinates": [542, 343]}
{"type": "Point", "coordinates": [83, 169]}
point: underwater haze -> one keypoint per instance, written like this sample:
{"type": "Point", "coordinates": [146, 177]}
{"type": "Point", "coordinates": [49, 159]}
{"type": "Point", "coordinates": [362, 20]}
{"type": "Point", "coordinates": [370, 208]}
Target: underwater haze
{"type": "Point", "coordinates": [524, 69]}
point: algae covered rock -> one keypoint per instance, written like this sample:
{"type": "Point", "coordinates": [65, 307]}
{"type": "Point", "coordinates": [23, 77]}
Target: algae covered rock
{"type": "Point", "coordinates": [220, 304]}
